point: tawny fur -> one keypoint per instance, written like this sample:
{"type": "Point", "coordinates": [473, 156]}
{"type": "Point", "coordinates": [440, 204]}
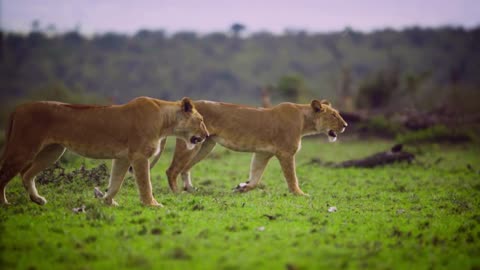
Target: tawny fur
{"type": "Point", "coordinates": [275, 131]}
{"type": "Point", "coordinates": [39, 133]}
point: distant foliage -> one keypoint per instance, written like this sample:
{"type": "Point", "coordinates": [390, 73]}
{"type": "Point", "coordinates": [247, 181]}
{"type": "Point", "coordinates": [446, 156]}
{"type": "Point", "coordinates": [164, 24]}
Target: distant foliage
{"type": "Point", "coordinates": [380, 126]}
{"type": "Point", "coordinates": [376, 92]}
{"type": "Point", "coordinates": [221, 66]}
{"type": "Point", "coordinates": [54, 91]}
{"type": "Point", "coordinates": [57, 91]}
{"type": "Point", "coordinates": [436, 134]}
{"type": "Point", "coordinates": [291, 87]}
{"type": "Point", "coordinates": [237, 28]}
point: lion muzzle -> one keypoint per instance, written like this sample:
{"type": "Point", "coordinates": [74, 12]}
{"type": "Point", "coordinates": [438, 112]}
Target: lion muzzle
{"type": "Point", "coordinates": [196, 139]}
{"type": "Point", "coordinates": [332, 136]}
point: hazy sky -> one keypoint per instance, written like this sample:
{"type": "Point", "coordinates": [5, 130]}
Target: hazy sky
{"type": "Point", "coordinates": [128, 16]}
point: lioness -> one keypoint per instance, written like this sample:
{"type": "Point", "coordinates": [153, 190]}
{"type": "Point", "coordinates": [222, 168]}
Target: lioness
{"type": "Point", "coordinates": [39, 133]}
{"type": "Point", "coordinates": [276, 131]}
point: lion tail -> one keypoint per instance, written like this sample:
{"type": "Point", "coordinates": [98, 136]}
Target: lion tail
{"type": "Point", "coordinates": [8, 133]}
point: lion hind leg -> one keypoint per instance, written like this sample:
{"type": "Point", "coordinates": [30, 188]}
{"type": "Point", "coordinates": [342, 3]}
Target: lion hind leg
{"type": "Point", "coordinates": [6, 175]}
{"type": "Point", "coordinates": [46, 157]}
{"type": "Point", "coordinates": [181, 157]}
{"type": "Point", "coordinates": [17, 155]}
{"type": "Point", "coordinates": [10, 168]}
{"type": "Point", "coordinates": [257, 167]}
{"type": "Point", "coordinates": [206, 148]}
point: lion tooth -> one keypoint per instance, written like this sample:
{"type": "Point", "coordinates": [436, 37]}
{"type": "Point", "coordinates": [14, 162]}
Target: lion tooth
{"type": "Point", "coordinates": [332, 139]}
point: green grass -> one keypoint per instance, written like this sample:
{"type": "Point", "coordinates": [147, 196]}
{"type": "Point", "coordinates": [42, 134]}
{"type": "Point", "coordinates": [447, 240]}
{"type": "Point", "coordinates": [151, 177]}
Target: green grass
{"type": "Point", "coordinates": [419, 216]}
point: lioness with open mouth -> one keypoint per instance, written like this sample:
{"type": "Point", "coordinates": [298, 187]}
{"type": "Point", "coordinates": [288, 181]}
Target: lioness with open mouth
{"type": "Point", "coordinates": [39, 133]}
{"type": "Point", "coordinates": [275, 131]}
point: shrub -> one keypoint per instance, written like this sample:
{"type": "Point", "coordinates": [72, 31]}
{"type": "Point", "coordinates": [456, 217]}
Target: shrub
{"type": "Point", "coordinates": [376, 92]}
{"type": "Point", "coordinates": [58, 174]}
{"type": "Point", "coordinates": [381, 126]}
{"type": "Point", "coordinates": [438, 133]}
{"type": "Point", "coordinates": [291, 87]}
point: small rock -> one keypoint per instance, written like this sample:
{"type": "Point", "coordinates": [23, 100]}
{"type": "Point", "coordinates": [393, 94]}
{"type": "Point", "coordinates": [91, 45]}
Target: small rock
{"type": "Point", "coordinates": [261, 228]}
{"type": "Point", "coordinates": [97, 193]}
{"type": "Point", "coordinates": [332, 209]}
{"type": "Point", "coordinates": [79, 209]}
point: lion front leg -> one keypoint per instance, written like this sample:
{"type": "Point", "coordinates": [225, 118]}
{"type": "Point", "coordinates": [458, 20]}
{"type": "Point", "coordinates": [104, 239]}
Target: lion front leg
{"type": "Point", "coordinates": [119, 169]}
{"type": "Point", "coordinates": [187, 182]}
{"type": "Point", "coordinates": [205, 149]}
{"type": "Point", "coordinates": [180, 161]}
{"type": "Point", "coordinates": [257, 167]}
{"type": "Point", "coordinates": [288, 167]}
{"type": "Point", "coordinates": [141, 170]}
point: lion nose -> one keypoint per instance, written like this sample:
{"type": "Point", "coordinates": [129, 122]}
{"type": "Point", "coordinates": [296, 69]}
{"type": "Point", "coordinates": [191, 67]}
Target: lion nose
{"type": "Point", "coordinates": [345, 125]}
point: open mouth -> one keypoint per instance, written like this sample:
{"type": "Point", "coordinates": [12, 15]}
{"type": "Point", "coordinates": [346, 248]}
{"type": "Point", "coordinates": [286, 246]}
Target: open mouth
{"type": "Point", "coordinates": [332, 136]}
{"type": "Point", "coordinates": [196, 139]}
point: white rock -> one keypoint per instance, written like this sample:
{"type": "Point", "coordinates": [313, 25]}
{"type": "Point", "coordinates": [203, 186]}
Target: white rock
{"type": "Point", "coordinates": [332, 209]}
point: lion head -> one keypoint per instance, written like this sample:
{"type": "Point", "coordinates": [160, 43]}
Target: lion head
{"type": "Point", "coordinates": [327, 120]}
{"type": "Point", "coordinates": [190, 126]}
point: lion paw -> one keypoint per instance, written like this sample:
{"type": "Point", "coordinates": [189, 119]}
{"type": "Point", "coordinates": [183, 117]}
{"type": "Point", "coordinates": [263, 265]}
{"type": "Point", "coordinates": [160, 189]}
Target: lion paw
{"type": "Point", "coordinates": [301, 193]}
{"type": "Point", "coordinates": [38, 200]}
{"type": "Point", "coordinates": [110, 202]}
{"type": "Point", "coordinates": [97, 193]}
{"type": "Point", "coordinates": [242, 187]}
{"type": "Point", "coordinates": [189, 189]}
{"type": "Point", "coordinates": [153, 203]}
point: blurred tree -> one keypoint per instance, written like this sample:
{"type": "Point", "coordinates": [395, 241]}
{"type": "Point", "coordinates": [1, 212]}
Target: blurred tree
{"type": "Point", "coordinates": [375, 92]}
{"type": "Point", "coordinates": [54, 91]}
{"type": "Point", "coordinates": [36, 26]}
{"type": "Point", "coordinates": [346, 99]}
{"type": "Point", "coordinates": [291, 87]}
{"type": "Point", "coordinates": [51, 29]}
{"type": "Point", "coordinates": [237, 29]}
{"type": "Point", "coordinates": [413, 86]}
{"type": "Point", "coordinates": [266, 93]}
{"type": "Point", "coordinates": [57, 91]}
{"type": "Point", "coordinates": [212, 66]}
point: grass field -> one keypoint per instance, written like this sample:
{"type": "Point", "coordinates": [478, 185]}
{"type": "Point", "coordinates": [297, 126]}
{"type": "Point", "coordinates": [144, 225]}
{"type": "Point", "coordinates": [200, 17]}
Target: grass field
{"type": "Point", "coordinates": [419, 216]}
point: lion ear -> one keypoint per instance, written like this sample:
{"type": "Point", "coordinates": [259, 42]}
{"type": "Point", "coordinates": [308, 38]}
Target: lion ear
{"type": "Point", "coordinates": [317, 106]}
{"type": "Point", "coordinates": [187, 105]}
{"type": "Point", "coordinates": [324, 101]}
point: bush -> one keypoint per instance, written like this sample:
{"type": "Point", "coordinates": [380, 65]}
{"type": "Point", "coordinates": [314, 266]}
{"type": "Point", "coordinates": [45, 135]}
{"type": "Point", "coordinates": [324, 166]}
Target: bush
{"type": "Point", "coordinates": [58, 174]}
{"type": "Point", "coordinates": [438, 133]}
{"type": "Point", "coordinates": [381, 126]}
{"type": "Point", "coordinates": [376, 92]}
{"type": "Point", "coordinates": [55, 91]}
{"type": "Point", "coordinates": [291, 87]}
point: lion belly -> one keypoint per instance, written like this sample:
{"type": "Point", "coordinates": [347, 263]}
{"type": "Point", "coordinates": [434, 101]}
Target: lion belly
{"type": "Point", "coordinates": [97, 151]}
{"type": "Point", "coordinates": [244, 146]}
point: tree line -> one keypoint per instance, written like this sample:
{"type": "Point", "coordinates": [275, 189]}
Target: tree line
{"type": "Point", "coordinates": [419, 66]}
